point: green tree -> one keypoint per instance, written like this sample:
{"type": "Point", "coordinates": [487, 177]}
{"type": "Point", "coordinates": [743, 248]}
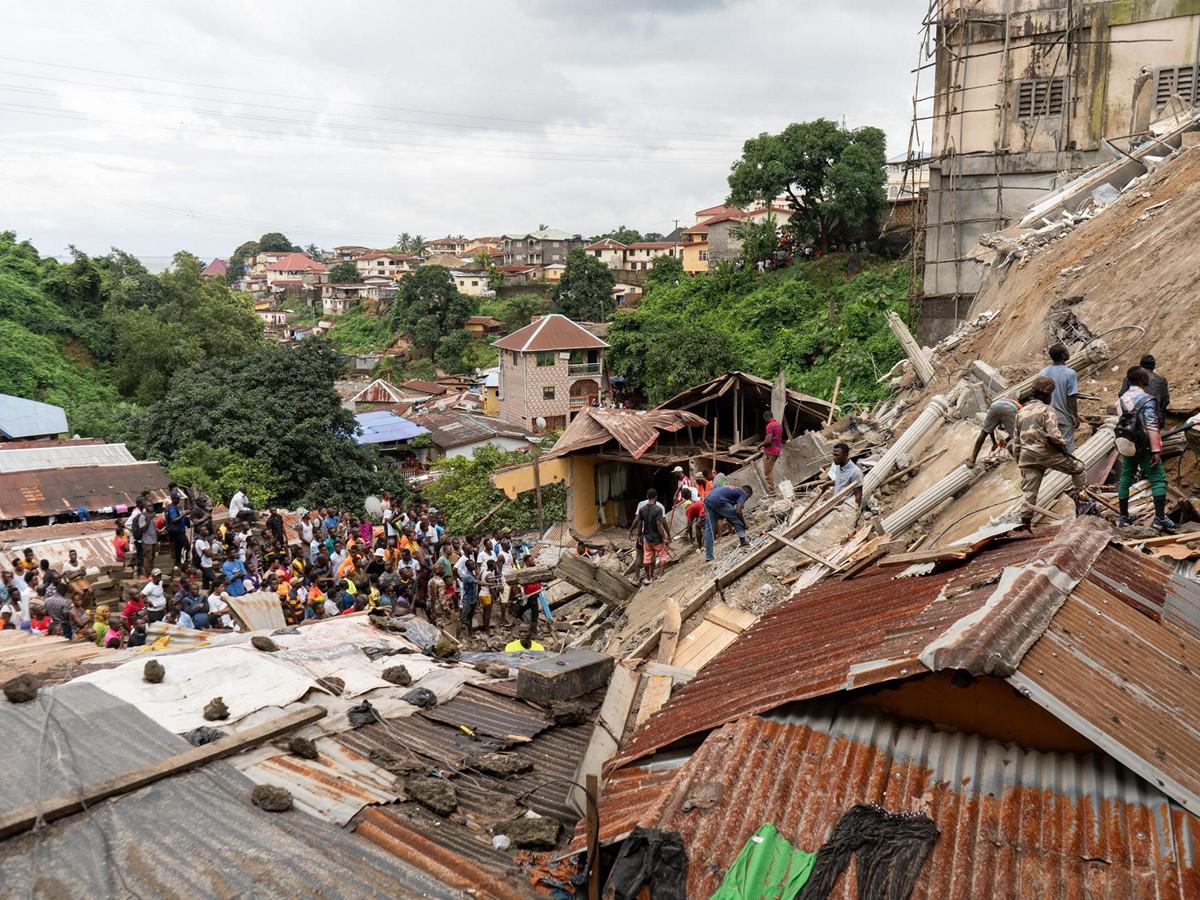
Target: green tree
{"type": "Point", "coordinates": [219, 473]}
{"type": "Point", "coordinates": [667, 270]}
{"type": "Point", "coordinates": [759, 240]}
{"type": "Point", "coordinates": [450, 351]}
{"type": "Point", "coordinates": [276, 405]}
{"type": "Point", "coordinates": [519, 311]}
{"type": "Point", "coordinates": [623, 234]}
{"type": "Point", "coordinates": [464, 493]}
{"type": "Point", "coordinates": [344, 273]}
{"type": "Point", "coordinates": [429, 308]}
{"type": "Point", "coordinates": [271, 242]}
{"type": "Point", "coordinates": [833, 177]}
{"type": "Point", "coordinates": [276, 242]}
{"type": "Point", "coordinates": [585, 291]}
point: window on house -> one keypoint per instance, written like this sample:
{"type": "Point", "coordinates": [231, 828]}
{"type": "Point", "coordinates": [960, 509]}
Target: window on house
{"type": "Point", "coordinates": [548, 392]}
{"type": "Point", "coordinates": [1173, 80]}
{"type": "Point", "coordinates": [475, 284]}
{"type": "Point", "coordinates": [597, 252]}
{"type": "Point", "coordinates": [547, 358]}
{"type": "Point", "coordinates": [703, 256]}
{"type": "Point", "coordinates": [1040, 97]}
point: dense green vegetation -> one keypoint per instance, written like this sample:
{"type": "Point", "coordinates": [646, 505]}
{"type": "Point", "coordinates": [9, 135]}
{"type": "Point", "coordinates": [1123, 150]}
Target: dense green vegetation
{"type": "Point", "coordinates": [811, 320]}
{"type": "Point", "coordinates": [465, 494]}
{"type": "Point", "coordinates": [360, 332]}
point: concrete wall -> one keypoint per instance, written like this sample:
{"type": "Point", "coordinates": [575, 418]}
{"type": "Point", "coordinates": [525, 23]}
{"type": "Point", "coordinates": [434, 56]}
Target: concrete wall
{"type": "Point", "coordinates": [522, 383]}
{"type": "Point", "coordinates": [722, 245]}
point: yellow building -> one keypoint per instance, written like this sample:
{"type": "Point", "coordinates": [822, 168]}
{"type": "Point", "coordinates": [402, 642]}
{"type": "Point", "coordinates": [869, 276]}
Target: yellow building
{"type": "Point", "coordinates": [694, 251]}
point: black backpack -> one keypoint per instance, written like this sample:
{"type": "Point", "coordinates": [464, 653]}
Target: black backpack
{"type": "Point", "coordinates": [1131, 428]}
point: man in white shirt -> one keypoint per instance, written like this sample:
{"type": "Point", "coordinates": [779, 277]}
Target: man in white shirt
{"type": "Point", "coordinates": [239, 506]}
{"type": "Point", "coordinates": [156, 601]}
{"type": "Point", "coordinates": [27, 588]}
{"type": "Point", "coordinates": [844, 474]}
{"type": "Point", "coordinates": [202, 553]}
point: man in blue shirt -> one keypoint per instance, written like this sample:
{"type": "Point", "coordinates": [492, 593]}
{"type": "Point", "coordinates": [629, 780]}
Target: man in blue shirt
{"type": "Point", "coordinates": [1066, 393]}
{"type": "Point", "coordinates": [235, 572]}
{"type": "Point", "coordinates": [725, 502]}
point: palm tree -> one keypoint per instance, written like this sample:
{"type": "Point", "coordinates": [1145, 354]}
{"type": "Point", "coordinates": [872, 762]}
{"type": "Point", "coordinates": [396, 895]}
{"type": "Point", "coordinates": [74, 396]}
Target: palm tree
{"type": "Point", "coordinates": [418, 243]}
{"type": "Point", "coordinates": [404, 242]}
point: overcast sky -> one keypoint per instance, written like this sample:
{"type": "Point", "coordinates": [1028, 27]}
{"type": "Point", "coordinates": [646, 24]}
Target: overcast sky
{"type": "Point", "coordinates": [156, 126]}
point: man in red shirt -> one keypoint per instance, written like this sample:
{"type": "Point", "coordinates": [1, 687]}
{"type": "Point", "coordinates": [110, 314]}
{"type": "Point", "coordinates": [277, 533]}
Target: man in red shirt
{"type": "Point", "coordinates": [772, 447]}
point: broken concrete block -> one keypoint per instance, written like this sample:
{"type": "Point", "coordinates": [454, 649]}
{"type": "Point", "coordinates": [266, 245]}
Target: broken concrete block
{"type": "Point", "coordinates": [216, 710]}
{"type": "Point", "coordinates": [532, 833]}
{"type": "Point", "coordinates": [153, 672]}
{"type": "Point", "coordinates": [271, 798]}
{"type": "Point", "coordinates": [500, 765]}
{"type": "Point", "coordinates": [993, 382]}
{"type": "Point", "coordinates": [435, 794]}
{"type": "Point", "coordinates": [571, 674]}
{"type": "Point", "coordinates": [302, 747]}
{"type": "Point", "coordinates": [21, 689]}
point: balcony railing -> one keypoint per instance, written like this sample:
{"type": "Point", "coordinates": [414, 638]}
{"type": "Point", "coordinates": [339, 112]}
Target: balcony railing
{"type": "Point", "coordinates": [585, 400]}
{"type": "Point", "coordinates": [583, 368]}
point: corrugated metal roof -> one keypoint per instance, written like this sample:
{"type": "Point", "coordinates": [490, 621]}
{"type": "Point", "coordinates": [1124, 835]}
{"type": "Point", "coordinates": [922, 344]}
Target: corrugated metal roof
{"type": "Point", "coordinates": [452, 428]}
{"type": "Point", "coordinates": [834, 636]}
{"type": "Point", "coordinates": [188, 835]}
{"type": "Point", "coordinates": [63, 456]}
{"type": "Point", "coordinates": [49, 492]}
{"type": "Point", "coordinates": [1129, 684]}
{"type": "Point", "coordinates": [378, 391]}
{"type": "Point", "coordinates": [813, 408]}
{"type": "Point", "coordinates": [91, 540]}
{"type": "Point", "coordinates": [635, 430]}
{"type": "Point", "coordinates": [1013, 822]}
{"type": "Point", "coordinates": [21, 418]}
{"type": "Point", "coordinates": [492, 715]}
{"type": "Point", "coordinates": [384, 427]}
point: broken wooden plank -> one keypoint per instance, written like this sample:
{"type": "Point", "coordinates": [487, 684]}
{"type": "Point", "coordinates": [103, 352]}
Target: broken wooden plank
{"type": "Point", "coordinates": [721, 626]}
{"type": "Point", "coordinates": [1181, 538]}
{"type": "Point", "coordinates": [24, 818]}
{"type": "Point", "coordinates": [804, 551]}
{"type": "Point", "coordinates": [593, 579]}
{"type": "Point", "coordinates": [678, 674]}
{"type": "Point", "coordinates": [658, 687]}
{"type": "Point", "coordinates": [608, 730]}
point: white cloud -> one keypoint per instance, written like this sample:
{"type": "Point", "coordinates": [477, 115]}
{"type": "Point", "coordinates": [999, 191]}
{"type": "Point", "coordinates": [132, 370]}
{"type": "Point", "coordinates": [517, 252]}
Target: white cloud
{"type": "Point", "coordinates": [350, 123]}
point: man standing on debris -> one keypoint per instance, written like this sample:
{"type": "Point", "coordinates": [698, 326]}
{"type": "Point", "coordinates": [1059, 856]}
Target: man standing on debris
{"type": "Point", "coordinates": [1158, 387]}
{"type": "Point", "coordinates": [651, 523]}
{"type": "Point", "coordinates": [1066, 393]}
{"type": "Point", "coordinates": [726, 503]}
{"type": "Point", "coordinates": [1002, 414]}
{"type": "Point", "coordinates": [1139, 441]}
{"type": "Point", "coordinates": [1039, 446]}
{"type": "Point", "coordinates": [845, 473]}
{"type": "Point", "coordinates": [772, 447]}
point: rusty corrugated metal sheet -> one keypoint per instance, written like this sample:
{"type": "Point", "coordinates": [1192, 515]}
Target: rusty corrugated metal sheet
{"type": "Point", "coordinates": [1013, 822]}
{"type": "Point", "coordinates": [628, 796]}
{"type": "Point", "coordinates": [837, 635]}
{"type": "Point", "coordinates": [49, 492]}
{"type": "Point", "coordinates": [333, 787]}
{"type": "Point", "coordinates": [993, 640]}
{"type": "Point", "coordinates": [636, 431]}
{"type": "Point", "coordinates": [1138, 579]}
{"type": "Point", "coordinates": [490, 714]}
{"type": "Point", "coordinates": [91, 540]}
{"type": "Point", "coordinates": [1129, 684]}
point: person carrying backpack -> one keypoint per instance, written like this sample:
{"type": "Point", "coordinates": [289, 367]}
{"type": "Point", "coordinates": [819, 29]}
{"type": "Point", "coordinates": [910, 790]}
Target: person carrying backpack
{"type": "Point", "coordinates": [1139, 441]}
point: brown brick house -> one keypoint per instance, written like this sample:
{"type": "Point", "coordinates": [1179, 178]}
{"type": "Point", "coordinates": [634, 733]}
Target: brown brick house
{"type": "Point", "coordinates": [553, 367]}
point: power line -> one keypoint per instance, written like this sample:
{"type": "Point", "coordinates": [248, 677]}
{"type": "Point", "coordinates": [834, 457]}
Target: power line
{"type": "Point", "coordinates": [259, 92]}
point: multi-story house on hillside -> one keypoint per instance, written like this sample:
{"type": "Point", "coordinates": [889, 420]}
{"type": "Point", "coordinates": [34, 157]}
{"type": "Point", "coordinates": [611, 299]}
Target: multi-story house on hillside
{"type": "Point", "coordinates": [551, 368]}
{"type": "Point", "coordinates": [538, 248]}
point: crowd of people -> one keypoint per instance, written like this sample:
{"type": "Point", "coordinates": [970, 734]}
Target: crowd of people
{"type": "Point", "coordinates": [330, 562]}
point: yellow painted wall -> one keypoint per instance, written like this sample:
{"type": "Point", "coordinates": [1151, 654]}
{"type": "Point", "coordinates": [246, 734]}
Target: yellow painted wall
{"type": "Point", "coordinates": [491, 401]}
{"type": "Point", "coordinates": [519, 479]}
{"type": "Point", "coordinates": [692, 262]}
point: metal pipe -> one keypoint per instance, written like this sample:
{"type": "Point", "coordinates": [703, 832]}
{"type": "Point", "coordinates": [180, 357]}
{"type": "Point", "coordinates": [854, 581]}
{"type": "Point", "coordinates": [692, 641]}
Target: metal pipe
{"type": "Point", "coordinates": [932, 415]}
{"type": "Point", "coordinates": [959, 479]}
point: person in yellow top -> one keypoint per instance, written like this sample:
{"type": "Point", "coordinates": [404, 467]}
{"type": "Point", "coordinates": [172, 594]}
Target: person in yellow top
{"type": "Point", "coordinates": [524, 640]}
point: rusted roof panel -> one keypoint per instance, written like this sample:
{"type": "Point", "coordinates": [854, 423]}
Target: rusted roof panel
{"type": "Point", "coordinates": [1126, 682]}
{"type": "Point", "coordinates": [836, 635]}
{"type": "Point", "coordinates": [628, 796]}
{"type": "Point", "coordinates": [1138, 579]}
{"type": "Point", "coordinates": [636, 431]}
{"type": "Point", "coordinates": [1013, 822]}
{"type": "Point", "coordinates": [49, 492]}
{"type": "Point", "coordinates": [91, 540]}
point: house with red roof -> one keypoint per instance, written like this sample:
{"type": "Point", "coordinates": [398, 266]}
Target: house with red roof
{"type": "Point", "coordinates": [216, 269]}
{"type": "Point", "coordinates": [292, 267]}
{"type": "Point", "coordinates": [550, 369]}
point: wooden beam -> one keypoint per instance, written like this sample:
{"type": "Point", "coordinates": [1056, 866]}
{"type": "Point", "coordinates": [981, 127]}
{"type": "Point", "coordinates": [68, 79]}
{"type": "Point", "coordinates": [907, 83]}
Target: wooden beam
{"type": "Point", "coordinates": [658, 687]}
{"type": "Point", "coordinates": [800, 548]}
{"type": "Point", "coordinates": [1185, 538]}
{"type": "Point", "coordinates": [837, 386]}
{"type": "Point", "coordinates": [593, 579]}
{"type": "Point", "coordinates": [607, 732]}
{"type": "Point", "coordinates": [24, 818]}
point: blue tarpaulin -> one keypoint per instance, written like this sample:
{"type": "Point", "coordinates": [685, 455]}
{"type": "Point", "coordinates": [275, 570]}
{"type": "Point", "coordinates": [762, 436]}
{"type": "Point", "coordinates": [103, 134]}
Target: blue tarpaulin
{"type": "Point", "coordinates": [385, 428]}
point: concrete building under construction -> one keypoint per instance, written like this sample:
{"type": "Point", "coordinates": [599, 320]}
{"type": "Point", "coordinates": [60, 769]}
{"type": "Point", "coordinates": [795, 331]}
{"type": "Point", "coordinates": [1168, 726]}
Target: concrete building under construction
{"type": "Point", "coordinates": [1027, 94]}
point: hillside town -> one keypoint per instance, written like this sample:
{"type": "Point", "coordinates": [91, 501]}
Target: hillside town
{"type": "Point", "coordinates": [839, 540]}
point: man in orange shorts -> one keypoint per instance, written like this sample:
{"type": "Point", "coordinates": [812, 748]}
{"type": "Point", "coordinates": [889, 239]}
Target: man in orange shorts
{"type": "Point", "coordinates": [652, 522]}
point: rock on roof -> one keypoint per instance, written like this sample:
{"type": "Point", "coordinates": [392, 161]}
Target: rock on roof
{"type": "Point", "coordinates": [551, 332]}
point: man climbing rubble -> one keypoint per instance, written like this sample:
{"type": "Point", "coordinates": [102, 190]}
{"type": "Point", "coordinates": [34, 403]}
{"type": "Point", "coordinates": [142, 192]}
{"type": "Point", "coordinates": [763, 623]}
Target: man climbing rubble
{"type": "Point", "coordinates": [772, 448]}
{"type": "Point", "coordinates": [1039, 446]}
{"type": "Point", "coordinates": [1001, 416]}
{"type": "Point", "coordinates": [1065, 399]}
{"type": "Point", "coordinates": [726, 503]}
{"type": "Point", "coordinates": [845, 473]}
{"type": "Point", "coordinates": [1139, 441]}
